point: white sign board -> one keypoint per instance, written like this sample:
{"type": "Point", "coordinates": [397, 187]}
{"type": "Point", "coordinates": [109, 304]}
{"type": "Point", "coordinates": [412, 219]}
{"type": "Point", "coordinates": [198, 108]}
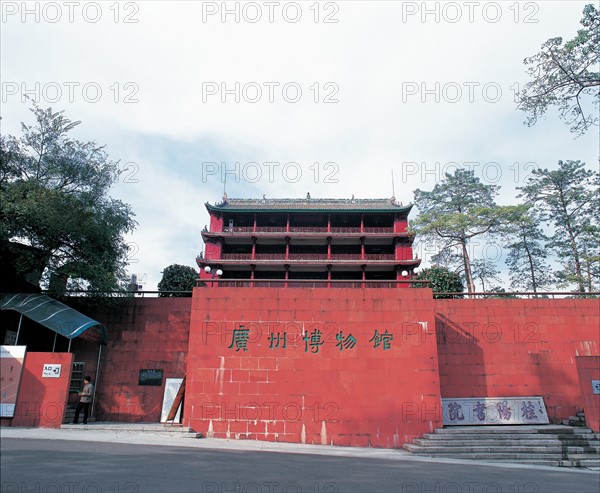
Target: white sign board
{"type": "Point", "coordinates": [596, 386]}
{"type": "Point", "coordinates": [11, 366]}
{"type": "Point", "coordinates": [171, 388]}
{"type": "Point", "coordinates": [51, 370]}
{"type": "Point", "coordinates": [494, 411]}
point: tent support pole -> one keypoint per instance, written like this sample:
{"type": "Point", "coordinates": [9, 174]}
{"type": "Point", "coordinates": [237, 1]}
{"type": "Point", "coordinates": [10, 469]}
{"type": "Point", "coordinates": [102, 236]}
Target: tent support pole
{"type": "Point", "coordinates": [19, 329]}
{"type": "Point", "coordinates": [96, 380]}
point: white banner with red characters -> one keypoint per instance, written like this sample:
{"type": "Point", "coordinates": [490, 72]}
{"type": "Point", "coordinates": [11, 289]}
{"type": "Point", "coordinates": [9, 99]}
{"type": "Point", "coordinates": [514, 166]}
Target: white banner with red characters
{"type": "Point", "coordinates": [494, 411]}
{"type": "Point", "coordinates": [11, 366]}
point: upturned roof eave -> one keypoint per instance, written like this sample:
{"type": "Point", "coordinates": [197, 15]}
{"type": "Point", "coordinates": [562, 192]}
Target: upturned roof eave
{"type": "Point", "coordinates": [227, 208]}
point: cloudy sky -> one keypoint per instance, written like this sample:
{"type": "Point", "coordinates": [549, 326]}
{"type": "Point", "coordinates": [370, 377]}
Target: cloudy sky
{"type": "Point", "coordinates": [285, 98]}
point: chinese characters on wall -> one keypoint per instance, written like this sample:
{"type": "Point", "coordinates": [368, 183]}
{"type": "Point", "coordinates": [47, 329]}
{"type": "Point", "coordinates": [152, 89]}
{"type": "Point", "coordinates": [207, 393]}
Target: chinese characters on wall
{"type": "Point", "coordinates": [312, 340]}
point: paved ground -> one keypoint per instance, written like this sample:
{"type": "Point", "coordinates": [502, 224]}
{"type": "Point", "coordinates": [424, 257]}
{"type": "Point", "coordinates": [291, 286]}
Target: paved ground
{"type": "Point", "coordinates": [76, 461]}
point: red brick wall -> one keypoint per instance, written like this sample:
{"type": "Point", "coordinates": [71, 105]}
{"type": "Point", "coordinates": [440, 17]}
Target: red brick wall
{"type": "Point", "coordinates": [143, 333]}
{"type": "Point", "coordinates": [516, 348]}
{"type": "Point", "coordinates": [42, 401]}
{"type": "Point", "coordinates": [588, 368]}
{"type": "Point", "coordinates": [361, 396]}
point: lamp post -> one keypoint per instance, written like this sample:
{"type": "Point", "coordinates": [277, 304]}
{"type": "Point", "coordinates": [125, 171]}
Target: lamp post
{"type": "Point", "coordinates": [217, 273]}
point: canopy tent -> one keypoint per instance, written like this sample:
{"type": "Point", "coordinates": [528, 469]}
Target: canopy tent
{"type": "Point", "coordinates": [55, 315]}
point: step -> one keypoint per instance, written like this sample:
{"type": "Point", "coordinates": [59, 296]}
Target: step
{"type": "Point", "coordinates": [595, 445]}
{"type": "Point", "coordinates": [562, 438]}
{"type": "Point", "coordinates": [513, 436]}
{"type": "Point", "coordinates": [504, 455]}
{"type": "Point", "coordinates": [511, 429]}
{"type": "Point", "coordinates": [144, 428]}
{"type": "Point", "coordinates": [587, 463]}
{"type": "Point", "coordinates": [481, 448]}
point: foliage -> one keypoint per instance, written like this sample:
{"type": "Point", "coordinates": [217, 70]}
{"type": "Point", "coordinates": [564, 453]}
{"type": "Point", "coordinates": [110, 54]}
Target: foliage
{"type": "Point", "coordinates": [458, 209]}
{"type": "Point", "coordinates": [177, 278]}
{"type": "Point", "coordinates": [442, 281]}
{"type": "Point", "coordinates": [527, 254]}
{"type": "Point", "coordinates": [569, 198]}
{"type": "Point", "coordinates": [565, 76]}
{"type": "Point", "coordinates": [484, 270]}
{"type": "Point", "coordinates": [500, 290]}
{"type": "Point", "coordinates": [54, 199]}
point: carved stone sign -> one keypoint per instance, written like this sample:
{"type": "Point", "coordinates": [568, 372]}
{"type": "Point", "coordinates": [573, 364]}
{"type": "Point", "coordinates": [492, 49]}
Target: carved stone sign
{"type": "Point", "coordinates": [494, 411]}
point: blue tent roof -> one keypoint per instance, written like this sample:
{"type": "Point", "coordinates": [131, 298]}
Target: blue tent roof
{"type": "Point", "coordinates": [55, 315]}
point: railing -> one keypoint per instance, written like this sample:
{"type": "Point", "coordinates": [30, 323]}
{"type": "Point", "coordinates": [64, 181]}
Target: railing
{"type": "Point", "coordinates": [318, 283]}
{"type": "Point", "coordinates": [236, 256]}
{"type": "Point", "coordinates": [338, 229]}
{"type": "Point", "coordinates": [238, 229]}
{"type": "Point", "coordinates": [308, 230]}
{"type": "Point", "coordinates": [270, 256]}
{"type": "Point", "coordinates": [308, 256]}
{"type": "Point", "coordinates": [334, 283]}
{"type": "Point", "coordinates": [379, 230]}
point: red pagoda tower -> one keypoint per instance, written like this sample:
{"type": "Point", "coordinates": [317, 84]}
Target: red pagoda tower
{"type": "Point", "coordinates": [348, 241]}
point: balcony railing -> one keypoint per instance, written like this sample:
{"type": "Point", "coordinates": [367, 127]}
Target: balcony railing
{"type": "Point", "coordinates": [378, 230]}
{"type": "Point", "coordinates": [270, 256]}
{"type": "Point", "coordinates": [309, 256]}
{"type": "Point", "coordinates": [308, 229]}
{"type": "Point", "coordinates": [337, 229]}
{"type": "Point", "coordinates": [236, 256]}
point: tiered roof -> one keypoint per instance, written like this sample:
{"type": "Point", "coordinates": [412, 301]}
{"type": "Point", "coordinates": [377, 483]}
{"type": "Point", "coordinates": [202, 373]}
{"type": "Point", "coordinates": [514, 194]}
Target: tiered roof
{"type": "Point", "coordinates": [309, 204]}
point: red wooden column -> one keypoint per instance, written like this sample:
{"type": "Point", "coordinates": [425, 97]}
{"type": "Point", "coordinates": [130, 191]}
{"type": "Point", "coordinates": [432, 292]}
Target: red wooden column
{"type": "Point", "coordinates": [287, 247]}
{"type": "Point", "coordinates": [362, 247]}
{"type": "Point", "coordinates": [254, 248]}
{"type": "Point", "coordinates": [364, 274]}
{"type": "Point", "coordinates": [329, 248]}
{"type": "Point", "coordinates": [254, 224]}
{"type": "Point", "coordinates": [329, 275]}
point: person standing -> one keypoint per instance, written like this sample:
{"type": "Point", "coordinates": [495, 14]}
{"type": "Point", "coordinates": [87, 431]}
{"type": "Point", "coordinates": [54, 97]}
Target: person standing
{"type": "Point", "coordinates": [85, 400]}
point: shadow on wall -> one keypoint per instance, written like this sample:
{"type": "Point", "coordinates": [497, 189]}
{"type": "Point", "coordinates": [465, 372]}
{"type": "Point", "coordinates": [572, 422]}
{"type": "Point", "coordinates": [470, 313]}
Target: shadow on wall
{"type": "Point", "coordinates": [30, 409]}
{"type": "Point", "coordinates": [461, 360]}
{"type": "Point", "coordinates": [555, 385]}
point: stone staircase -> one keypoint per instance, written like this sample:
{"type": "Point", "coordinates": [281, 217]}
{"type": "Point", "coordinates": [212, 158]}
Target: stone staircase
{"type": "Point", "coordinates": [550, 445]}
{"type": "Point", "coordinates": [155, 429]}
{"type": "Point", "coordinates": [70, 415]}
{"type": "Point", "coordinates": [577, 420]}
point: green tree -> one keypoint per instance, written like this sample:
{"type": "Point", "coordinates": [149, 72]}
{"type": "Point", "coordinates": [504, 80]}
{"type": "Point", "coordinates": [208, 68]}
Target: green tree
{"type": "Point", "coordinates": [566, 76]}
{"type": "Point", "coordinates": [568, 199]}
{"type": "Point", "coordinates": [527, 254]}
{"type": "Point", "coordinates": [177, 277]}
{"type": "Point", "coordinates": [442, 281]}
{"type": "Point", "coordinates": [458, 209]}
{"type": "Point", "coordinates": [484, 270]}
{"type": "Point", "coordinates": [54, 199]}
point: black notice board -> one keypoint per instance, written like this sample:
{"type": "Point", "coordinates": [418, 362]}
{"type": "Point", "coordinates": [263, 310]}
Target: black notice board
{"type": "Point", "coordinates": [150, 377]}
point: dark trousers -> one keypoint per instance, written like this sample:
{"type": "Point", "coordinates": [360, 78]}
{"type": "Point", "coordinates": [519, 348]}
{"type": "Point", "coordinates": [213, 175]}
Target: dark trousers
{"type": "Point", "coordinates": [86, 409]}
